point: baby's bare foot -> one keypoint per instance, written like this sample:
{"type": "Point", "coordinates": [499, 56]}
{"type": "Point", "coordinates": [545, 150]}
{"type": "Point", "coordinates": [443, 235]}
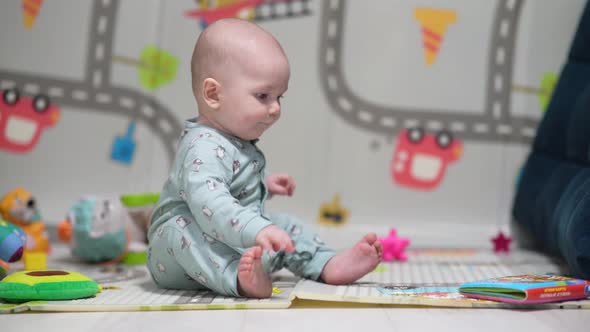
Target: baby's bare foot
{"type": "Point", "coordinates": [252, 280]}
{"type": "Point", "coordinates": [354, 263]}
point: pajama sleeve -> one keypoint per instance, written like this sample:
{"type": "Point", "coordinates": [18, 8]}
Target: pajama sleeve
{"type": "Point", "coordinates": [207, 175]}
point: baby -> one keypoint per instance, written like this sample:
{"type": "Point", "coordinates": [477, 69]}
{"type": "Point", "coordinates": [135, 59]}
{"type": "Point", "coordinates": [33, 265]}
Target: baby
{"type": "Point", "coordinates": [210, 229]}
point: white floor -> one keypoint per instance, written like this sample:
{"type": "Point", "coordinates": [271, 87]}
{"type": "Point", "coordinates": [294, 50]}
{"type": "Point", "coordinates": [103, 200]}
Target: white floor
{"type": "Point", "coordinates": [300, 319]}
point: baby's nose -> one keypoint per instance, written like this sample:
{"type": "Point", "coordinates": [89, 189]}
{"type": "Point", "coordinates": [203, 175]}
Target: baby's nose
{"type": "Point", "coordinates": [275, 110]}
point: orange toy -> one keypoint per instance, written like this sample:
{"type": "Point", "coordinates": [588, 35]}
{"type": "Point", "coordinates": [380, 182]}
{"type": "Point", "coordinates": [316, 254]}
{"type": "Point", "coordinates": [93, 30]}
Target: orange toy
{"type": "Point", "coordinates": [18, 207]}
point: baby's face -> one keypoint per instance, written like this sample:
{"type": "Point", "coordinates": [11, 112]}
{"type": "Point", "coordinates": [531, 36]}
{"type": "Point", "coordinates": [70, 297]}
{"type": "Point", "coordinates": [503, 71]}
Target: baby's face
{"type": "Point", "coordinates": [251, 94]}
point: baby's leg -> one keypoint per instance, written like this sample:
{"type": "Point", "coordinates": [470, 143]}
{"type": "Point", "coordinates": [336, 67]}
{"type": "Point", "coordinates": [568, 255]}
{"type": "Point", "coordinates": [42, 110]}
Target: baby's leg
{"type": "Point", "coordinates": [314, 260]}
{"type": "Point", "coordinates": [311, 254]}
{"type": "Point", "coordinates": [353, 263]}
{"type": "Point", "coordinates": [164, 269]}
{"type": "Point", "coordinates": [182, 256]}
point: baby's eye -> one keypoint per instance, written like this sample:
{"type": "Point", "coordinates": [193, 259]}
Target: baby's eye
{"type": "Point", "coordinates": [262, 96]}
{"type": "Point", "coordinates": [279, 99]}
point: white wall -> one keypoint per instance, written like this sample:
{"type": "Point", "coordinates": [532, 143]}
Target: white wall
{"type": "Point", "coordinates": [382, 63]}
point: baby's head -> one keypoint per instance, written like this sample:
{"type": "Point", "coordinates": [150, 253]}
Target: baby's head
{"type": "Point", "coordinates": [239, 74]}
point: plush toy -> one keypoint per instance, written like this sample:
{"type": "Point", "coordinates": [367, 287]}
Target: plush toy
{"type": "Point", "coordinates": [101, 229]}
{"type": "Point", "coordinates": [394, 247]}
{"type": "Point", "coordinates": [18, 207]}
{"type": "Point", "coordinates": [47, 285]}
{"type": "Point", "coordinates": [12, 243]}
{"type": "Point", "coordinates": [95, 229]}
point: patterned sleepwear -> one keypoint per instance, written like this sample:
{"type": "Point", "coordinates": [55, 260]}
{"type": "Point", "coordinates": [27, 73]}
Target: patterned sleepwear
{"type": "Point", "coordinates": [210, 211]}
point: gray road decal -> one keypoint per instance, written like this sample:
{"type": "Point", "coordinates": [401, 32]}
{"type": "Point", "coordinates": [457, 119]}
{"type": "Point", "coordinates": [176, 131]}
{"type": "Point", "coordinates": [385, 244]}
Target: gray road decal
{"type": "Point", "coordinates": [494, 125]}
{"type": "Point", "coordinates": [96, 92]}
{"type": "Point", "coordinates": [278, 10]}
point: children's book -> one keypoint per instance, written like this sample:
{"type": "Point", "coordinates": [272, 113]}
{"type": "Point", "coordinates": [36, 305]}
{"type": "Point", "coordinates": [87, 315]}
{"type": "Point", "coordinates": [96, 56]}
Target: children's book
{"type": "Point", "coordinates": [528, 288]}
{"type": "Point", "coordinates": [430, 278]}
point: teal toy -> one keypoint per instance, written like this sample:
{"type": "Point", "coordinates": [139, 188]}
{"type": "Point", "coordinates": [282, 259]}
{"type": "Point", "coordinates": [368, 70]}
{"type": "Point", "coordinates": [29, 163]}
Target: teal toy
{"type": "Point", "coordinates": [109, 229]}
{"type": "Point", "coordinates": [95, 228]}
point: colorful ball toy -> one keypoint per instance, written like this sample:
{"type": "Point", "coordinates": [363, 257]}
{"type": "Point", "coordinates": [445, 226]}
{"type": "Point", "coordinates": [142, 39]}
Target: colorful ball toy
{"type": "Point", "coordinates": [12, 242]}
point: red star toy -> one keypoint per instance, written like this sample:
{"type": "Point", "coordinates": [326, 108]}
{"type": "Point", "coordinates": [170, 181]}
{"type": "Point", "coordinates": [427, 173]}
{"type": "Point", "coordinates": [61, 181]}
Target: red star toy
{"type": "Point", "coordinates": [501, 243]}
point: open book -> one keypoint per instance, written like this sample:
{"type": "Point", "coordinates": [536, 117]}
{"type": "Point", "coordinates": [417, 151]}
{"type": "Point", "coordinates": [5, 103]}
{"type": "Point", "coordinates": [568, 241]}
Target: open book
{"type": "Point", "coordinates": [431, 277]}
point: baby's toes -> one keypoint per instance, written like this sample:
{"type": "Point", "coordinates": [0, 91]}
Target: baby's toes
{"type": "Point", "coordinates": [378, 247]}
{"type": "Point", "coordinates": [370, 238]}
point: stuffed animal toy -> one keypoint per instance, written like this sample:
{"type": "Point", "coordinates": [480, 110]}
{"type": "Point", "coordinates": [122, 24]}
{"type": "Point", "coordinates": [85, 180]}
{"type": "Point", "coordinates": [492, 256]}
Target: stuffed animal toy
{"type": "Point", "coordinates": [102, 229]}
{"type": "Point", "coordinates": [19, 208]}
{"type": "Point", "coordinates": [95, 229]}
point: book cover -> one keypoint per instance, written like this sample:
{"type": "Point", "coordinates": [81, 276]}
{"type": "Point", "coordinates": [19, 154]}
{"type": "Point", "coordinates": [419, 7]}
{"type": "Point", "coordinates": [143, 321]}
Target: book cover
{"type": "Point", "coordinates": [528, 288]}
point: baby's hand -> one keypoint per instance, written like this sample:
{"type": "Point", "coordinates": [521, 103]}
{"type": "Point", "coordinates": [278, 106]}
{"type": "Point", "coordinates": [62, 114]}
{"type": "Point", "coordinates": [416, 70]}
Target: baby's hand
{"type": "Point", "coordinates": [273, 238]}
{"type": "Point", "coordinates": [280, 184]}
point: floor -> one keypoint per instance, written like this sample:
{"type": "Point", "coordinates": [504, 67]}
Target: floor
{"type": "Point", "coordinates": [299, 319]}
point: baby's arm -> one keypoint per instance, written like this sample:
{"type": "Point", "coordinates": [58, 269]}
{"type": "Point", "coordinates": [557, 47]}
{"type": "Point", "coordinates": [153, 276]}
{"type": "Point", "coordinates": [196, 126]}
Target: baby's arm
{"type": "Point", "coordinates": [280, 184]}
{"type": "Point", "coordinates": [205, 179]}
{"type": "Point", "coordinates": [273, 238]}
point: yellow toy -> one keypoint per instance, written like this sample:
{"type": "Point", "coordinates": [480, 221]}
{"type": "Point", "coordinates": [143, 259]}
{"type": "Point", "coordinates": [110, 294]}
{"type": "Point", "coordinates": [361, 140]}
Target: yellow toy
{"type": "Point", "coordinates": [18, 207]}
{"type": "Point", "coordinates": [333, 213]}
{"type": "Point", "coordinates": [35, 260]}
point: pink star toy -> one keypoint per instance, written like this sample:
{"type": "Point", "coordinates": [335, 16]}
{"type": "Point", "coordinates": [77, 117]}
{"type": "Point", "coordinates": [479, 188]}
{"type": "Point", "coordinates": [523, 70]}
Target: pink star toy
{"type": "Point", "coordinates": [501, 243]}
{"type": "Point", "coordinates": [394, 247]}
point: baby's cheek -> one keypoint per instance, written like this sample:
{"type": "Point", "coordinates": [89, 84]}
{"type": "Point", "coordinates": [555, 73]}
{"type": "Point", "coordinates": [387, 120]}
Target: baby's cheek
{"type": "Point", "coordinates": [251, 117]}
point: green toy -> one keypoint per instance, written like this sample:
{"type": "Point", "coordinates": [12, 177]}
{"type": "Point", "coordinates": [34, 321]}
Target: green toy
{"type": "Point", "coordinates": [26, 286]}
{"type": "Point", "coordinates": [139, 200]}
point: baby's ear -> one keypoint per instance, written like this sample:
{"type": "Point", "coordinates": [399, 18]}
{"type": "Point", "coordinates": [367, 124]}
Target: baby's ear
{"type": "Point", "coordinates": [211, 92]}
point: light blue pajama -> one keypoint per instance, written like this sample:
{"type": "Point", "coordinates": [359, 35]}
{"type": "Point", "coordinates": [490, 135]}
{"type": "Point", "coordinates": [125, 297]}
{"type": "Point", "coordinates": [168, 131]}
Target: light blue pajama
{"type": "Point", "coordinates": [210, 211]}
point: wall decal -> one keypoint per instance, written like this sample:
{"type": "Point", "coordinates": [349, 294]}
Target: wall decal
{"type": "Point", "coordinates": [543, 92]}
{"type": "Point", "coordinates": [95, 92]}
{"type": "Point", "coordinates": [210, 11]}
{"type": "Point", "coordinates": [31, 10]}
{"type": "Point", "coordinates": [420, 159]}
{"type": "Point", "coordinates": [23, 118]}
{"type": "Point", "coordinates": [156, 67]}
{"type": "Point", "coordinates": [494, 124]}
{"type": "Point", "coordinates": [433, 23]}
{"type": "Point", "coordinates": [124, 146]}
